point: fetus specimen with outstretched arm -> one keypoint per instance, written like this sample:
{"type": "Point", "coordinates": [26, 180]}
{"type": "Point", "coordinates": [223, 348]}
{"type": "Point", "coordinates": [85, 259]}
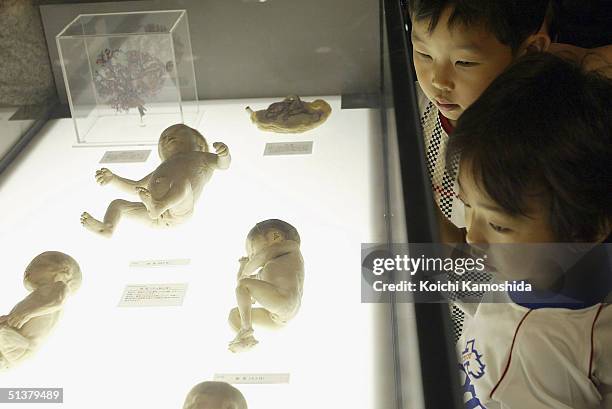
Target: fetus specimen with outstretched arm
{"type": "Point", "coordinates": [169, 193]}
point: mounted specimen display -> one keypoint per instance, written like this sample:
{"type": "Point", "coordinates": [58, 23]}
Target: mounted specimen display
{"type": "Point", "coordinates": [292, 115]}
{"type": "Point", "coordinates": [50, 277]}
{"type": "Point", "coordinates": [127, 79]}
{"type": "Point", "coordinates": [272, 275]}
{"type": "Point", "coordinates": [169, 193]}
{"type": "Point", "coordinates": [214, 395]}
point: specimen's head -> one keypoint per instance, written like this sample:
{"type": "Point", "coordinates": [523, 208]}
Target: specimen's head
{"type": "Point", "coordinates": [269, 232]}
{"type": "Point", "coordinates": [535, 153]}
{"type": "Point", "coordinates": [50, 267]}
{"type": "Point", "coordinates": [214, 395]}
{"type": "Point", "coordinates": [180, 138]}
{"type": "Point", "coordinates": [460, 46]}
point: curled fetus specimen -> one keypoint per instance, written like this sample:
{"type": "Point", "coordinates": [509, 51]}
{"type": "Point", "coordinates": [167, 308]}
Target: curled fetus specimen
{"type": "Point", "coordinates": [50, 277]}
{"type": "Point", "coordinates": [271, 275]}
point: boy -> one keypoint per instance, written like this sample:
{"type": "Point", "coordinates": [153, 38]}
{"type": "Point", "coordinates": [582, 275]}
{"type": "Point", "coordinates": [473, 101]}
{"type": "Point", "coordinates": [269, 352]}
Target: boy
{"type": "Point", "coordinates": [535, 153]}
{"type": "Point", "coordinates": [459, 47]}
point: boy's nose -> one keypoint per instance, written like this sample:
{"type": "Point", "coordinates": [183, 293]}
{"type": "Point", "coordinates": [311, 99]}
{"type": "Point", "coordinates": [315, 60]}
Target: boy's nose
{"type": "Point", "coordinates": [441, 78]}
{"type": "Point", "coordinates": [475, 236]}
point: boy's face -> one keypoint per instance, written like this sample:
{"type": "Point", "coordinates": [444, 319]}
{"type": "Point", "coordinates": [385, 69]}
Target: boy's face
{"type": "Point", "coordinates": [491, 230]}
{"type": "Point", "coordinates": [454, 66]}
{"type": "Point", "coordinates": [487, 223]}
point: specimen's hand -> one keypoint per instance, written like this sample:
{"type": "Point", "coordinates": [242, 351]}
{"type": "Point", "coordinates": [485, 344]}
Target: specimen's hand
{"type": "Point", "coordinates": [104, 176]}
{"type": "Point", "coordinates": [221, 148]}
{"type": "Point", "coordinates": [243, 262]}
{"type": "Point", "coordinates": [143, 191]}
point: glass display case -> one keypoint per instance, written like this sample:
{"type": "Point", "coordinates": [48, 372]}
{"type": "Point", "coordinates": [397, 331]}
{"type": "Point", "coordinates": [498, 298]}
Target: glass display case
{"type": "Point", "coordinates": [137, 65]}
{"type": "Point", "coordinates": [150, 319]}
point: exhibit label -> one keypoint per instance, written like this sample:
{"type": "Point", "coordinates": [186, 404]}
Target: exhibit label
{"type": "Point", "coordinates": [153, 295]}
{"type": "Point", "coordinates": [288, 148]}
{"type": "Point", "coordinates": [161, 263]}
{"type": "Point", "coordinates": [131, 156]}
{"type": "Point", "coordinates": [252, 378]}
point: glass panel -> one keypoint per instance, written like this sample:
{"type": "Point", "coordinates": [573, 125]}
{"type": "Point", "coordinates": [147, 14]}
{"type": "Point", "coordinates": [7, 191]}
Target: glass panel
{"type": "Point", "coordinates": [307, 100]}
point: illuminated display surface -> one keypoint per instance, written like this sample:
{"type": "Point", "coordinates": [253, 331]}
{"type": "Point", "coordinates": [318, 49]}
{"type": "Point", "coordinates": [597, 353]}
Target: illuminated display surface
{"type": "Point", "coordinates": [150, 357]}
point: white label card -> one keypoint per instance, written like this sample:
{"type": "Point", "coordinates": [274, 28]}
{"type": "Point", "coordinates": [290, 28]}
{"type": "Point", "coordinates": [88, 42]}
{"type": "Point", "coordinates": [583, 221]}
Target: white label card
{"type": "Point", "coordinates": [161, 263]}
{"type": "Point", "coordinates": [153, 295]}
{"type": "Point", "coordinates": [125, 156]}
{"type": "Point", "coordinates": [288, 148]}
{"type": "Point", "coordinates": [254, 378]}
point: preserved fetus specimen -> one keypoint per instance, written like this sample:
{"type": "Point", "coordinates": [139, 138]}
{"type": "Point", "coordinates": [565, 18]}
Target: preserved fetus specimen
{"type": "Point", "coordinates": [292, 115]}
{"type": "Point", "coordinates": [214, 395]}
{"type": "Point", "coordinates": [272, 275]}
{"type": "Point", "coordinates": [50, 277]}
{"type": "Point", "coordinates": [169, 193]}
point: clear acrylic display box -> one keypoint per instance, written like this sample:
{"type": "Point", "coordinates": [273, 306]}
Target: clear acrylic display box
{"type": "Point", "coordinates": [128, 75]}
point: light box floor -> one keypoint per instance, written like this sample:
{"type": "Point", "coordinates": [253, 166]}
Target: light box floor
{"type": "Point", "coordinates": [104, 356]}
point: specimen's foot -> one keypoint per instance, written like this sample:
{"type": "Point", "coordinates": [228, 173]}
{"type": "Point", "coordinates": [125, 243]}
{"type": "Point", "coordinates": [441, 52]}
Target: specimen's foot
{"type": "Point", "coordinates": [243, 342]}
{"type": "Point", "coordinates": [95, 226]}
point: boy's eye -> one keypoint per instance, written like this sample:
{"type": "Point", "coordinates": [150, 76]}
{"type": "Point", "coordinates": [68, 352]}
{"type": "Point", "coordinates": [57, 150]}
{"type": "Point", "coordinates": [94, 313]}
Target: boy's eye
{"type": "Point", "coordinates": [466, 63]}
{"type": "Point", "coordinates": [423, 55]}
{"type": "Point", "coordinates": [499, 229]}
{"type": "Point", "coordinates": [466, 204]}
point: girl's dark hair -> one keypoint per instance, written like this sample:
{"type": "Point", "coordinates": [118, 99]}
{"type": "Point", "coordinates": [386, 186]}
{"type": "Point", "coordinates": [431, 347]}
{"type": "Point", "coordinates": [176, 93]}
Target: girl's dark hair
{"type": "Point", "coordinates": [511, 21]}
{"type": "Point", "coordinates": [545, 123]}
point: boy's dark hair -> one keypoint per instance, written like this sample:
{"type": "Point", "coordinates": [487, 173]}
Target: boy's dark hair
{"type": "Point", "coordinates": [511, 21]}
{"type": "Point", "coordinates": [546, 124]}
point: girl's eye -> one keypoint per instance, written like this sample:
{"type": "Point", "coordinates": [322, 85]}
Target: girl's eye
{"type": "Point", "coordinates": [499, 229]}
{"type": "Point", "coordinates": [466, 63]}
